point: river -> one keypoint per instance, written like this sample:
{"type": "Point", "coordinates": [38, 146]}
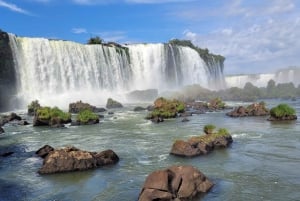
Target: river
{"type": "Point", "coordinates": [262, 163]}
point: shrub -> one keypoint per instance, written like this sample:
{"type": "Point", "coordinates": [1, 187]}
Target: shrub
{"type": "Point", "coordinates": [95, 40]}
{"type": "Point", "coordinates": [282, 110]}
{"type": "Point", "coordinates": [223, 131]}
{"type": "Point", "coordinates": [209, 128]}
{"type": "Point", "coordinates": [47, 113]}
{"type": "Point", "coordinates": [85, 116]}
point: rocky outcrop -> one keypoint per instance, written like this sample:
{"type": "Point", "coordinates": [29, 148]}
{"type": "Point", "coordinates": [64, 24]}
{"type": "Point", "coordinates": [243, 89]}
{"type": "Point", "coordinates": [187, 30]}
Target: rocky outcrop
{"type": "Point", "coordinates": [7, 74]}
{"type": "Point", "coordinates": [176, 183]}
{"type": "Point", "coordinates": [282, 112]}
{"type": "Point", "coordinates": [113, 104]}
{"type": "Point", "coordinates": [79, 106]}
{"type": "Point", "coordinates": [142, 95]}
{"type": "Point", "coordinates": [8, 118]}
{"type": "Point", "coordinates": [73, 159]}
{"type": "Point", "coordinates": [255, 109]}
{"type": "Point", "coordinates": [33, 107]}
{"type": "Point", "coordinates": [201, 145]}
{"type": "Point", "coordinates": [53, 117]}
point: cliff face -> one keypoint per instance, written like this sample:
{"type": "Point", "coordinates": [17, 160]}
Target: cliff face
{"type": "Point", "coordinates": [7, 73]}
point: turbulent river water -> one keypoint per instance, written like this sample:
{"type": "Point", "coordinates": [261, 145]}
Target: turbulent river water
{"type": "Point", "coordinates": [262, 163]}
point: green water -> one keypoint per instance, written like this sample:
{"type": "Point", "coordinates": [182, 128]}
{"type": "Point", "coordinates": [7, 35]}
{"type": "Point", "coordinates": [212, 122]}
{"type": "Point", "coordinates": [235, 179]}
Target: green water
{"type": "Point", "coordinates": [262, 163]}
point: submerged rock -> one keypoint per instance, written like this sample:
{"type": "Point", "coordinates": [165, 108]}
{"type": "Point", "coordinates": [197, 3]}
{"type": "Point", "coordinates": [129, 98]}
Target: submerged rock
{"type": "Point", "coordinates": [138, 108]}
{"type": "Point", "coordinates": [1, 130]}
{"type": "Point", "coordinates": [73, 159]}
{"type": "Point", "coordinates": [23, 123]}
{"type": "Point", "coordinates": [176, 183]}
{"type": "Point", "coordinates": [8, 118]}
{"type": "Point", "coordinates": [113, 104]}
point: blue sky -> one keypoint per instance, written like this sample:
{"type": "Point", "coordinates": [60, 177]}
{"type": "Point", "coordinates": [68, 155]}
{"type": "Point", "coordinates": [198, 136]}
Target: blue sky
{"type": "Point", "coordinates": [255, 36]}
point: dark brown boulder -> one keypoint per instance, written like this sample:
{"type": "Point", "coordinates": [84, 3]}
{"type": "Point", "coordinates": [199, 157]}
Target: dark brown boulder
{"type": "Point", "coordinates": [176, 183]}
{"type": "Point", "coordinates": [73, 159]}
{"type": "Point", "coordinates": [44, 151]}
{"type": "Point", "coordinates": [200, 145]}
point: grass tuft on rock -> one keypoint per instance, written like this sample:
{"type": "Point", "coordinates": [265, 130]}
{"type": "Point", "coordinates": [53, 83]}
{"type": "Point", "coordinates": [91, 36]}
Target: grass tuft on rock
{"type": "Point", "coordinates": [85, 116]}
{"type": "Point", "coordinates": [282, 110]}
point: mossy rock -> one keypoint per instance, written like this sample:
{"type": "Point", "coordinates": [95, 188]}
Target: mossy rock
{"type": "Point", "coordinates": [282, 112]}
{"type": "Point", "coordinates": [165, 108]}
{"type": "Point", "coordinates": [209, 128]}
{"type": "Point", "coordinates": [87, 117]}
{"type": "Point", "coordinates": [54, 117]}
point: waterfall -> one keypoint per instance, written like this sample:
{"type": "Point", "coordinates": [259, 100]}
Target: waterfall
{"type": "Point", "coordinates": [58, 72]}
{"type": "Point", "coordinates": [291, 74]}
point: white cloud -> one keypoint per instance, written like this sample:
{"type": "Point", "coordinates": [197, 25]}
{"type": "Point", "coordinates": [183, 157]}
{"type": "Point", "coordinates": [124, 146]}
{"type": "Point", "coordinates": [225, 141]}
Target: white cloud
{"type": "Point", "coordinates": [13, 7]}
{"type": "Point", "coordinates": [79, 30]}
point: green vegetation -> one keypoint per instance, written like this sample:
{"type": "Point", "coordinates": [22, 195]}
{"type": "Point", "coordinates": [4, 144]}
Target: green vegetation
{"type": "Point", "coordinates": [86, 115]}
{"type": "Point", "coordinates": [223, 131]}
{"type": "Point", "coordinates": [209, 128]}
{"type": "Point", "coordinates": [166, 108]}
{"type": "Point", "coordinates": [248, 93]}
{"type": "Point", "coordinates": [282, 110]}
{"type": "Point", "coordinates": [48, 113]}
{"type": "Point", "coordinates": [95, 40]}
{"type": "Point", "coordinates": [204, 53]}
{"type": "Point", "coordinates": [33, 106]}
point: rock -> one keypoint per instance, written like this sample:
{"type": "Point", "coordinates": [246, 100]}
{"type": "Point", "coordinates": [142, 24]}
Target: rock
{"type": "Point", "coordinates": [157, 119]}
{"type": "Point", "coordinates": [201, 145]}
{"type": "Point", "coordinates": [87, 117]}
{"type": "Point", "coordinates": [13, 116]}
{"type": "Point", "coordinates": [79, 106]}
{"type": "Point", "coordinates": [255, 109]}
{"type": "Point", "coordinates": [73, 159]}
{"type": "Point", "coordinates": [138, 108]}
{"type": "Point", "coordinates": [284, 118]}
{"type": "Point", "coordinates": [1, 130]}
{"type": "Point", "coordinates": [176, 183]}
{"type": "Point", "coordinates": [23, 123]}
{"type": "Point", "coordinates": [32, 107]}
{"type": "Point", "coordinates": [113, 104]}
{"type": "Point", "coordinates": [53, 117]}
{"type": "Point", "coordinates": [3, 121]}
{"type": "Point", "coordinates": [142, 95]}
{"type": "Point", "coordinates": [185, 120]}
{"type": "Point", "coordinates": [44, 151]}
{"type": "Point", "coordinates": [150, 107]}
{"type": "Point", "coordinates": [6, 154]}
{"type": "Point", "coordinates": [110, 113]}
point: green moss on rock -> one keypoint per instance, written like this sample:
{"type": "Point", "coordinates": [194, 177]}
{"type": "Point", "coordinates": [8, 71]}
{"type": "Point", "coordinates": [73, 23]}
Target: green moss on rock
{"type": "Point", "coordinates": [87, 117]}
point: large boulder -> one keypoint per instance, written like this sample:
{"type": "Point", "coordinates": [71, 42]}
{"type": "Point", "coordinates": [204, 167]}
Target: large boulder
{"type": "Point", "coordinates": [111, 103]}
{"type": "Point", "coordinates": [201, 145]}
{"type": "Point", "coordinates": [255, 109]}
{"type": "Point", "coordinates": [79, 106]}
{"type": "Point", "coordinates": [176, 183]}
{"type": "Point", "coordinates": [73, 159]}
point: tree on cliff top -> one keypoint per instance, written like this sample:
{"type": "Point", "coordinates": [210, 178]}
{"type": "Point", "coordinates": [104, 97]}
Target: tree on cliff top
{"type": "Point", "coordinates": [95, 40]}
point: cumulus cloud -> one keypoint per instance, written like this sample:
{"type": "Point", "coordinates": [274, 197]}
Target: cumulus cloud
{"type": "Point", "coordinates": [259, 40]}
{"type": "Point", "coordinates": [13, 7]}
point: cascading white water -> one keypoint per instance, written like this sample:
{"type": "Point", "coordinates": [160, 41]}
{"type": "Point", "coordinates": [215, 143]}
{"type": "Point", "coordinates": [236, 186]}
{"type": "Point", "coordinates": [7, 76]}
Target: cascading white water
{"type": "Point", "coordinates": [261, 80]}
{"type": "Point", "coordinates": [59, 72]}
